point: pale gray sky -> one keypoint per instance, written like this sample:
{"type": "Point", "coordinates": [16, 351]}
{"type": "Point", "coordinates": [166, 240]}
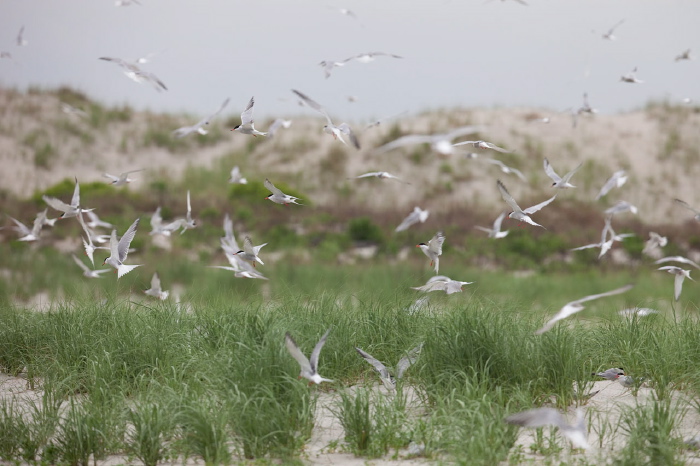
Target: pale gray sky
{"type": "Point", "coordinates": [457, 53]}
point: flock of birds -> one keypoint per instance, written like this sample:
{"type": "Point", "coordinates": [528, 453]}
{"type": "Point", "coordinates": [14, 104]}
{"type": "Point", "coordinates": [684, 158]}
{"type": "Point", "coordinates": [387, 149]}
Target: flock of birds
{"type": "Point", "coordinates": [243, 259]}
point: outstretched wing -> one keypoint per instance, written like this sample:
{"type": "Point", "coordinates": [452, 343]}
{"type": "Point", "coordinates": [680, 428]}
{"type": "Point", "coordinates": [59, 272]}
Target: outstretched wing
{"type": "Point", "coordinates": [535, 208]}
{"type": "Point", "coordinates": [247, 115]}
{"type": "Point", "coordinates": [273, 189]}
{"type": "Point", "coordinates": [296, 353]}
{"type": "Point", "coordinates": [550, 171]}
{"type": "Point", "coordinates": [381, 368]}
{"type": "Point", "coordinates": [312, 103]}
{"type": "Point", "coordinates": [313, 360]}
{"type": "Point", "coordinates": [507, 197]}
{"type": "Point", "coordinates": [125, 241]}
{"type": "Point", "coordinates": [408, 360]}
{"type": "Point", "coordinates": [602, 295]}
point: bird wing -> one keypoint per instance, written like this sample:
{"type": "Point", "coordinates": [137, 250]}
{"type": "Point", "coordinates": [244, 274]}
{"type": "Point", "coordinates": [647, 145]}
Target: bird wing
{"type": "Point", "coordinates": [111, 177]}
{"type": "Point", "coordinates": [435, 244]}
{"type": "Point", "coordinates": [87, 231]}
{"type": "Point", "coordinates": [370, 174]}
{"type": "Point", "coordinates": [189, 206]}
{"type": "Point", "coordinates": [247, 115]}
{"type": "Point", "coordinates": [213, 115]}
{"type": "Point", "coordinates": [569, 309]}
{"type": "Point", "coordinates": [408, 221]}
{"type": "Point", "coordinates": [313, 360]}
{"type": "Point", "coordinates": [21, 227]}
{"type": "Point", "coordinates": [156, 220]}
{"type": "Point", "coordinates": [539, 417]}
{"type": "Point", "coordinates": [125, 241]}
{"type": "Point", "coordinates": [381, 368]}
{"type": "Point", "coordinates": [686, 205]}
{"type": "Point", "coordinates": [462, 131]}
{"type": "Point", "coordinates": [680, 259]}
{"type": "Point", "coordinates": [678, 286]}
{"type": "Point", "coordinates": [56, 203]}
{"type": "Point", "coordinates": [602, 295]}
{"type": "Point", "coordinates": [507, 197]}
{"type": "Point", "coordinates": [535, 208]}
{"type": "Point", "coordinates": [498, 221]}
{"type": "Point", "coordinates": [155, 282]}
{"type": "Point", "coordinates": [273, 189]}
{"type": "Point", "coordinates": [114, 245]}
{"type": "Point", "coordinates": [493, 146]}
{"type": "Point", "coordinates": [405, 141]}
{"type": "Point", "coordinates": [248, 246]}
{"type": "Point", "coordinates": [345, 128]}
{"type": "Point", "coordinates": [550, 171]}
{"type": "Point", "coordinates": [312, 103]}
{"type": "Point", "coordinates": [80, 263]}
{"type": "Point", "coordinates": [568, 176]}
{"type": "Point", "coordinates": [296, 353]}
{"type": "Point", "coordinates": [408, 360]}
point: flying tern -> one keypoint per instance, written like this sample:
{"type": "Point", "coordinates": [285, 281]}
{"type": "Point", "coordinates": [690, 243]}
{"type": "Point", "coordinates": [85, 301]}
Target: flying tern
{"type": "Point", "coordinates": [382, 176]}
{"type": "Point", "coordinates": [70, 110]}
{"type": "Point", "coordinates": [506, 169]}
{"type": "Point", "coordinates": [681, 274]}
{"type": "Point", "coordinates": [541, 417]}
{"type": "Point", "coordinates": [122, 179]}
{"type": "Point", "coordinates": [440, 143]}
{"type": "Point", "coordinates": [199, 126]}
{"type": "Point", "coordinates": [71, 210]}
{"type": "Point", "coordinates": [385, 376]}
{"type": "Point", "coordinates": [518, 213]}
{"type": "Point", "coordinates": [236, 177]}
{"type": "Point", "coordinates": [119, 250]}
{"type": "Point", "coordinates": [309, 367]}
{"type": "Point", "coordinates": [156, 290]}
{"type": "Point", "coordinates": [247, 126]}
{"type": "Point", "coordinates": [690, 208]}
{"type": "Point", "coordinates": [637, 311]}
{"type": "Point", "coordinates": [88, 243]}
{"type": "Point", "coordinates": [680, 259]}
{"type": "Point", "coordinates": [239, 269]}
{"type": "Point", "coordinates": [88, 272]}
{"type": "Point", "coordinates": [276, 125]}
{"type": "Point", "coordinates": [378, 122]}
{"type": "Point", "coordinates": [631, 77]}
{"type": "Point", "coordinates": [133, 72]}
{"type": "Point", "coordinates": [615, 181]}
{"type": "Point", "coordinates": [442, 283]}
{"type": "Point", "coordinates": [573, 307]}
{"type": "Point", "coordinates": [336, 131]}
{"type": "Point", "coordinates": [278, 197]}
{"type": "Point", "coordinates": [483, 145]}
{"type": "Point", "coordinates": [188, 222]}
{"type": "Point", "coordinates": [370, 57]}
{"type": "Point", "coordinates": [433, 249]}
{"type": "Point", "coordinates": [21, 41]}
{"type": "Point", "coordinates": [328, 66]}
{"type": "Point", "coordinates": [654, 243]}
{"type": "Point", "coordinates": [621, 207]}
{"type": "Point", "coordinates": [249, 252]}
{"type": "Point", "coordinates": [25, 233]}
{"type": "Point", "coordinates": [418, 215]}
{"type": "Point", "coordinates": [95, 222]}
{"type": "Point", "coordinates": [610, 34]}
{"type": "Point", "coordinates": [495, 231]}
{"type": "Point", "coordinates": [558, 181]}
{"type": "Point", "coordinates": [158, 228]}
{"type": "Point", "coordinates": [684, 56]}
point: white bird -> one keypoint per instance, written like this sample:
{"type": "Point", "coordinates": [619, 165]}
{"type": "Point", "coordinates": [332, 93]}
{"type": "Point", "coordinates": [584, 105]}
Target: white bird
{"type": "Point", "coordinates": [119, 250]}
{"type": "Point", "coordinates": [605, 244]}
{"type": "Point", "coordinates": [518, 213]}
{"type": "Point", "coordinates": [156, 290]}
{"type": "Point", "coordinates": [506, 169]}
{"type": "Point", "coordinates": [684, 56]}
{"type": "Point", "coordinates": [133, 72]}
{"type": "Point", "coordinates": [378, 122]}
{"type": "Point", "coordinates": [573, 307]}
{"type": "Point", "coordinates": [558, 181]}
{"type": "Point", "coordinates": [188, 222]}
{"type": "Point", "coordinates": [418, 215]}
{"type": "Point", "coordinates": [654, 242]}
{"type": "Point", "coordinates": [70, 110]}
{"type": "Point", "coordinates": [122, 179]}
{"type": "Point", "coordinates": [309, 367]}
{"type": "Point", "coordinates": [25, 233]}
{"type": "Point", "coordinates": [617, 179]}
{"type": "Point", "coordinates": [442, 283]}
{"type": "Point", "coordinates": [236, 177]}
{"type": "Point", "coordinates": [541, 417]}
{"type": "Point", "coordinates": [381, 176]}
{"type": "Point", "coordinates": [609, 35]}
{"type": "Point", "coordinates": [681, 259]}
{"type": "Point", "coordinates": [483, 145]}
{"type": "Point", "coordinates": [621, 207]}
{"type": "Point", "coordinates": [433, 249]}
{"type": "Point", "coordinates": [278, 197]}
{"type": "Point", "coordinates": [495, 231]}
{"type": "Point", "coordinates": [277, 125]}
{"type": "Point", "coordinates": [228, 241]}
{"type": "Point", "coordinates": [681, 274]}
{"type": "Point", "coordinates": [71, 210]}
{"type": "Point", "coordinates": [385, 376]}
{"type": "Point", "coordinates": [637, 311]}
{"type": "Point", "coordinates": [328, 66]}
{"type": "Point", "coordinates": [690, 208]}
{"type": "Point", "coordinates": [87, 272]}
{"type": "Point", "coordinates": [247, 125]}
{"type": "Point", "coordinates": [158, 228]}
{"type": "Point", "coordinates": [126, 2]}
{"type": "Point", "coordinates": [249, 252]}
{"type": "Point", "coordinates": [199, 126]}
{"type": "Point", "coordinates": [336, 131]}
{"type": "Point", "coordinates": [440, 143]}
{"type": "Point", "coordinates": [21, 41]}
{"type": "Point", "coordinates": [88, 243]}
{"type": "Point", "coordinates": [631, 77]}
{"type": "Point", "coordinates": [418, 305]}
{"type": "Point", "coordinates": [238, 268]}
{"type": "Point", "coordinates": [370, 57]}
{"type": "Point", "coordinates": [95, 222]}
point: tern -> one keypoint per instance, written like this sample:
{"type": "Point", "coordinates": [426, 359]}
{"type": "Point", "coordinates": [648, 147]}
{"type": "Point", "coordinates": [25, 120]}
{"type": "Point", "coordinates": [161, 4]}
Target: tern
{"type": "Point", "coordinates": [442, 283]}
{"type": "Point", "coordinates": [483, 145]}
{"type": "Point", "coordinates": [573, 307]}
{"type": "Point", "coordinates": [518, 213]}
{"type": "Point", "coordinates": [495, 231]}
{"type": "Point", "coordinates": [654, 242]}
{"type": "Point", "coordinates": [631, 77]}
{"type": "Point", "coordinates": [278, 197]}
{"type": "Point", "coordinates": [158, 228]}
{"type": "Point", "coordinates": [690, 208]}
{"type": "Point", "coordinates": [404, 363]}
{"type": "Point", "coordinates": [122, 179]}
{"type": "Point", "coordinates": [188, 222]}
{"type": "Point", "coordinates": [613, 373]}
{"type": "Point", "coordinates": [120, 250]}
{"type": "Point", "coordinates": [418, 215]}
{"type": "Point", "coordinates": [378, 122]}
{"type": "Point", "coordinates": [25, 233]}
{"type": "Point", "coordinates": [133, 72]}
{"type": "Point", "coordinates": [87, 272]}
{"type": "Point", "coordinates": [637, 311]}
{"type": "Point", "coordinates": [621, 207]}
{"type": "Point", "coordinates": [433, 249]}
{"type": "Point", "coordinates": [155, 290]}
{"type": "Point", "coordinates": [277, 125]}
{"type": "Point", "coordinates": [70, 110]}
{"type": "Point", "coordinates": [22, 42]}
{"type": "Point", "coordinates": [681, 259]}
{"type": "Point", "coordinates": [247, 126]}
{"type": "Point", "coordinates": [684, 56]}
{"type": "Point", "coordinates": [309, 367]}
{"type": "Point", "coordinates": [370, 57]}
{"type": "Point", "coordinates": [336, 131]}
{"type": "Point", "coordinates": [609, 35]}
{"type": "Point", "coordinates": [681, 274]}
{"type": "Point", "coordinates": [199, 126]}
{"type": "Point", "coordinates": [605, 244]}
{"type": "Point", "coordinates": [328, 66]}
{"type": "Point", "coordinates": [381, 176]}
{"type": "Point", "coordinates": [95, 222]}
{"type": "Point", "coordinates": [71, 210]}
{"type": "Point", "coordinates": [541, 417]}
{"type": "Point", "coordinates": [440, 143]}
{"type": "Point", "coordinates": [88, 244]}
{"type": "Point", "coordinates": [506, 169]}
{"type": "Point", "coordinates": [558, 181]}
{"type": "Point", "coordinates": [236, 177]}
{"type": "Point", "coordinates": [249, 252]}
{"type": "Point", "coordinates": [617, 179]}
{"type": "Point", "coordinates": [238, 268]}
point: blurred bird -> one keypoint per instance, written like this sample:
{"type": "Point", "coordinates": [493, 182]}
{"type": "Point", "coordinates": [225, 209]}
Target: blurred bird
{"type": "Point", "coordinates": [277, 125]}
{"type": "Point", "coordinates": [382, 176]}
{"type": "Point", "coordinates": [684, 56]}
{"type": "Point", "coordinates": [483, 145]}
{"type": "Point", "coordinates": [199, 126]}
{"type": "Point", "coordinates": [442, 283]}
{"type": "Point", "coordinates": [558, 181]}
{"type": "Point", "coordinates": [156, 290]}
{"type": "Point", "coordinates": [158, 228]}
{"type": "Point", "coordinates": [378, 122]}
{"type": "Point", "coordinates": [249, 252]}
{"type": "Point", "coordinates": [573, 307]}
{"type": "Point", "coordinates": [681, 275]}
{"type": "Point", "coordinates": [336, 131]}
{"type": "Point", "coordinates": [133, 72]}
{"type": "Point", "coordinates": [692, 209]}
{"type": "Point", "coordinates": [615, 181]}
{"type": "Point", "coordinates": [621, 207]}
{"type": "Point", "coordinates": [119, 250]}
{"type": "Point", "coordinates": [637, 311]}
{"type": "Point", "coordinates": [309, 367]}
{"type": "Point", "coordinates": [70, 110]}
{"type": "Point", "coordinates": [236, 177]}
{"type": "Point", "coordinates": [21, 41]}
{"type": "Point", "coordinates": [95, 222]}
{"type": "Point", "coordinates": [278, 197]}
{"type": "Point", "coordinates": [418, 215]}
{"type": "Point", "coordinates": [654, 243]}
{"type": "Point", "coordinates": [188, 222]}
{"type": "Point", "coordinates": [495, 231]}
{"type": "Point", "coordinates": [440, 143]}
{"type": "Point", "coordinates": [433, 249]}
{"type": "Point", "coordinates": [518, 213]}
{"type": "Point", "coordinates": [87, 272]}
{"type": "Point", "coordinates": [71, 210]}
{"type": "Point", "coordinates": [25, 233]}
{"type": "Point", "coordinates": [247, 126]}
{"type": "Point", "coordinates": [541, 417]}
{"type": "Point", "coordinates": [384, 375]}
{"type": "Point", "coordinates": [88, 243]}
{"type": "Point", "coordinates": [631, 77]}
{"type": "Point", "coordinates": [126, 2]}
{"type": "Point", "coordinates": [328, 66]}
{"type": "Point", "coordinates": [610, 34]}
{"type": "Point", "coordinates": [506, 169]}
{"type": "Point", "coordinates": [122, 179]}
{"type": "Point", "coordinates": [681, 259]}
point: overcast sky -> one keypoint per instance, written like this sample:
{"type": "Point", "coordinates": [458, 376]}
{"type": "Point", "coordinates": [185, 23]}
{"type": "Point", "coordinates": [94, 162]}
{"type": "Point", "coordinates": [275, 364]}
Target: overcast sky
{"type": "Point", "coordinates": [457, 53]}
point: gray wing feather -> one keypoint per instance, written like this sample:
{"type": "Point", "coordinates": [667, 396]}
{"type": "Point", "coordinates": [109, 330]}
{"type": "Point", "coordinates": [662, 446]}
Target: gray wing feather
{"type": "Point", "coordinates": [313, 360]}
{"type": "Point", "coordinates": [408, 360]}
{"type": "Point", "coordinates": [381, 368]}
{"type": "Point", "coordinates": [125, 241]}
